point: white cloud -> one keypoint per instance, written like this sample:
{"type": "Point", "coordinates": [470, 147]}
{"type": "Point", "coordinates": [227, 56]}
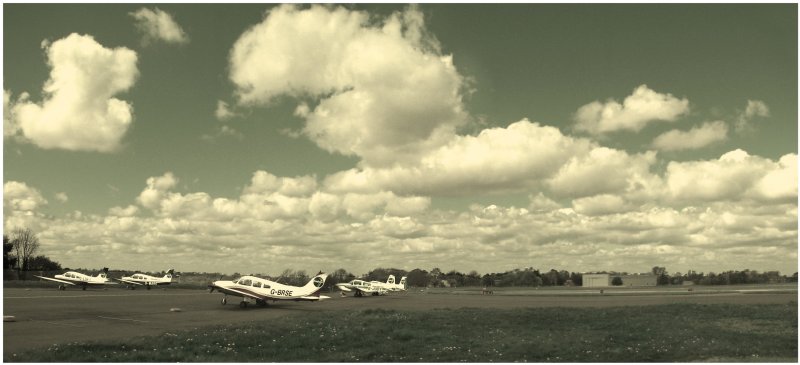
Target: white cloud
{"type": "Point", "coordinates": [697, 137]}
{"type": "Point", "coordinates": [205, 233]}
{"type": "Point", "coordinates": [263, 182]}
{"type": "Point", "coordinates": [636, 111]}
{"type": "Point", "coordinates": [79, 111]}
{"type": "Point", "coordinates": [157, 188]}
{"type": "Point", "coordinates": [18, 196]}
{"type": "Point", "coordinates": [754, 109]}
{"type": "Point", "coordinates": [735, 175]}
{"type": "Point", "coordinates": [158, 25]}
{"type": "Point", "coordinates": [62, 197]}
{"type": "Point", "coordinates": [602, 170]}
{"type": "Point", "coordinates": [497, 159]}
{"type": "Point", "coordinates": [385, 91]}
{"type": "Point", "coordinates": [223, 111]}
{"type": "Point", "coordinates": [128, 211]}
{"type": "Point", "coordinates": [780, 182]}
{"type": "Point", "coordinates": [600, 204]}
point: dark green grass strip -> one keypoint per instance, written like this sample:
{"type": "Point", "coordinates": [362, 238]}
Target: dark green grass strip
{"type": "Point", "coordinates": [664, 333]}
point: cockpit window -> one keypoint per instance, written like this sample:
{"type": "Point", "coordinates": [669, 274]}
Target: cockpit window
{"type": "Point", "coordinates": [244, 282]}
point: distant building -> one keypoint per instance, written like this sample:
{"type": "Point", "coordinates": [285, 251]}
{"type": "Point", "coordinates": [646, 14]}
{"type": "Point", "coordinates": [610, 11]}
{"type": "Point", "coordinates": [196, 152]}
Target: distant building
{"type": "Point", "coordinates": [639, 280]}
{"type": "Point", "coordinates": [604, 280]}
{"type": "Point", "coordinates": [596, 280]}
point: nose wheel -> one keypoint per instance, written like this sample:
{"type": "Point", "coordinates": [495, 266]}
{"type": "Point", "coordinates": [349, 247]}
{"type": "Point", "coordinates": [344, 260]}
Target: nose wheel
{"type": "Point", "coordinates": [243, 304]}
{"type": "Point", "coordinates": [224, 300]}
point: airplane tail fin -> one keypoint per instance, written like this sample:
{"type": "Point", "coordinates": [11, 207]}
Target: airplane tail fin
{"type": "Point", "coordinates": [170, 274]}
{"type": "Point", "coordinates": [390, 280]}
{"type": "Point", "coordinates": [315, 284]}
{"type": "Point", "coordinates": [403, 282]}
{"type": "Point", "coordinates": [104, 273]}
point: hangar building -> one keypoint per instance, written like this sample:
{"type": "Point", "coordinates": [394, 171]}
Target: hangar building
{"type": "Point", "coordinates": [604, 280]}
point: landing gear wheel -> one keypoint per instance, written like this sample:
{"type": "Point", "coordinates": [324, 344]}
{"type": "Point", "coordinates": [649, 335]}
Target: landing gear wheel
{"type": "Point", "coordinates": [83, 288]}
{"type": "Point", "coordinates": [358, 294]}
{"type": "Point", "coordinates": [224, 301]}
{"type": "Point", "coordinates": [243, 304]}
{"type": "Point", "coordinates": [61, 287]}
{"type": "Point", "coordinates": [261, 302]}
{"type": "Point", "coordinates": [148, 287]}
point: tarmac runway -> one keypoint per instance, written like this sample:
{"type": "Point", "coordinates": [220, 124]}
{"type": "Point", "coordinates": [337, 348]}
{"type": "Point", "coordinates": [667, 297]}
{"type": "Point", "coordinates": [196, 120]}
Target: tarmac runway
{"type": "Point", "coordinates": [44, 317]}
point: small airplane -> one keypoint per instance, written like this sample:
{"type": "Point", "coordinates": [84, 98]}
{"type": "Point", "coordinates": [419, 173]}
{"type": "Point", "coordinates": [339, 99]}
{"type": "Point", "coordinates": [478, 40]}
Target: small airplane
{"type": "Point", "coordinates": [390, 285]}
{"type": "Point", "coordinates": [261, 290]}
{"type": "Point", "coordinates": [362, 287]}
{"type": "Point", "coordinates": [147, 280]}
{"type": "Point", "coordinates": [82, 280]}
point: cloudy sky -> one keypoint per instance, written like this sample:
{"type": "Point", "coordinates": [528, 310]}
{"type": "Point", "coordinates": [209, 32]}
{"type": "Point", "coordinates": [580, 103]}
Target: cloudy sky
{"type": "Point", "coordinates": [255, 138]}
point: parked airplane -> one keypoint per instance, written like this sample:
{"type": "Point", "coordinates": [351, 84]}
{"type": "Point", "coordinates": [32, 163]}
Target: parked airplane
{"type": "Point", "coordinates": [361, 287]}
{"type": "Point", "coordinates": [82, 280]}
{"type": "Point", "coordinates": [261, 290]}
{"type": "Point", "coordinates": [147, 280]}
{"type": "Point", "coordinates": [389, 285]}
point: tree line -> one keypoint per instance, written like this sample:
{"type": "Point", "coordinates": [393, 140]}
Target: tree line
{"type": "Point", "coordinates": [19, 253]}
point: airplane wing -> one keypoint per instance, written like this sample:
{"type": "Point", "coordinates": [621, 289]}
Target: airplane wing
{"type": "Point", "coordinates": [128, 281]}
{"type": "Point", "coordinates": [56, 280]}
{"type": "Point", "coordinates": [236, 292]}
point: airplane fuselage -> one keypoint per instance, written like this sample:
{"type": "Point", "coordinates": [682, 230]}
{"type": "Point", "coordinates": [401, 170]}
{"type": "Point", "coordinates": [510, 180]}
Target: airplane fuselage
{"type": "Point", "coordinates": [261, 290]}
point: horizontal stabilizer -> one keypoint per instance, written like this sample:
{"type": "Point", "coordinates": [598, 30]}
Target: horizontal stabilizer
{"type": "Point", "coordinates": [313, 297]}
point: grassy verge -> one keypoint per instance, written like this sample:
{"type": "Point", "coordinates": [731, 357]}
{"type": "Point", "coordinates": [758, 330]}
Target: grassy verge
{"type": "Point", "coordinates": [665, 333]}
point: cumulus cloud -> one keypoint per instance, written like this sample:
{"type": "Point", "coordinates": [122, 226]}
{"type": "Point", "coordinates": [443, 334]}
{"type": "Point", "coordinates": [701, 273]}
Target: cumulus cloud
{"type": "Point", "coordinates": [156, 190]}
{"type": "Point", "coordinates": [384, 91]}
{"type": "Point", "coordinates": [128, 211]}
{"type": "Point", "coordinates": [525, 156]}
{"type": "Point", "coordinates": [733, 176]}
{"type": "Point", "coordinates": [498, 159]}
{"type": "Point", "coordinates": [191, 228]}
{"type": "Point", "coordinates": [79, 111]}
{"type": "Point", "coordinates": [600, 204]}
{"type": "Point", "coordinates": [18, 196]}
{"type": "Point", "coordinates": [158, 25]}
{"type": "Point", "coordinates": [601, 170]}
{"type": "Point", "coordinates": [697, 137]}
{"type": "Point", "coordinates": [643, 106]}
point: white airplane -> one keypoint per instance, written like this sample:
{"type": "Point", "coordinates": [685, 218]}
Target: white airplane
{"type": "Point", "coordinates": [82, 280]}
{"type": "Point", "coordinates": [261, 290]}
{"type": "Point", "coordinates": [147, 280]}
{"type": "Point", "coordinates": [389, 285]}
{"type": "Point", "coordinates": [361, 287]}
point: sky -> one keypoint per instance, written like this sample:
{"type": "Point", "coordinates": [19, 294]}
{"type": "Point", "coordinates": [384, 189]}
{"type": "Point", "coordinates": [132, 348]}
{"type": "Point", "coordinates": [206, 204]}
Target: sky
{"type": "Point", "coordinates": [263, 137]}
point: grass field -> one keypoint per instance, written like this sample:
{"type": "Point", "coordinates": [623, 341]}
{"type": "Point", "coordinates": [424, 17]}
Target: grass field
{"type": "Point", "coordinates": [662, 333]}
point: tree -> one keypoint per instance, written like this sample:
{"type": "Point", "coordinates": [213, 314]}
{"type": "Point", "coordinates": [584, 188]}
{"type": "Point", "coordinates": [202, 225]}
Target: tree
{"type": "Point", "coordinates": [434, 276]}
{"type": "Point", "coordinates": [8, 261]}
{"type": "Point", "coordinates": [25, 244]}
{"type": "Point", "coordinates": [418, 278]}
{"type": "Point", "coordinates": [616, 281]}
{"type": "Point", "coordinates": [43, 263]}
